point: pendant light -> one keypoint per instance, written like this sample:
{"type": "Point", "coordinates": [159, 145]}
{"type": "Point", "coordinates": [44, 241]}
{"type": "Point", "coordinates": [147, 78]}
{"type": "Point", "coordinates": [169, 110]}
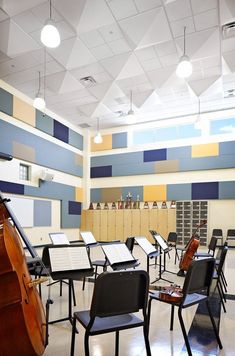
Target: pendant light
{"type": "Point", "coordinates": [50, 35]}
{"type": "Point", "coordinates": [39, 102]}
{"type": "Point", "coordinates": [130, 117]}
{"type": "Point", "coordinates": [184, 68]}
{"type": "Point", "coordinates": [98, 138]}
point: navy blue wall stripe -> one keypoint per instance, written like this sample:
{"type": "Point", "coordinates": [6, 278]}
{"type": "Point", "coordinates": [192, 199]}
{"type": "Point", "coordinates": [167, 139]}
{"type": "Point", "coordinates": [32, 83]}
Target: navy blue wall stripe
{"type": "Point", "coordinates": [61, 131]}
{"type": "Point", "coordinates": [75, 208]}
{"type": "Point", "coordinates": [155, 155]}
{"type": "Point", "coordinates": [205, 190]}
{"type": "Point", "coordinates": [103, 171]}
{"type": "Point", "coordinates": [13, 188]}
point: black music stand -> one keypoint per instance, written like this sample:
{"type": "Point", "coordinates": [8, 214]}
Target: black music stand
{"type": "Point", "coordinates": [71, 263]}
{"type": "Point", "coordinates": [119, 256]}
{"type": "Point", "coordinates": [163, 249]}
{"type": "Point", "coordinates": [148, 248]}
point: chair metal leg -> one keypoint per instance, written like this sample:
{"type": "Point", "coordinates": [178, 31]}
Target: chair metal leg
{"type": "Point", "coordinates": [221, 298]}
{"type": "Point", "coordinates": [172, 317]}
{"type": "Point", "coordinates": [61, 287]}
{"type": "Point", "coordinates": [86, 344]}
{"type": "Point", "coordinates": [117, 343]}
{"type": "Point", "coordinates": [221, 288]}
{"type": "Point", "coordinates": [96, 267]}
{"type": "Point", "coordinates": [214, 326]}
{"type": "Point", "coordinates": [73, 337]}
{"type": "Point", "coordinates": [146, 339]}
{"type": "Point", "coordinates": [149, 312]}
{"type": "Point", "coordinates": [74, 298]}
{"type": "Point", "coordinates": [184, 332]}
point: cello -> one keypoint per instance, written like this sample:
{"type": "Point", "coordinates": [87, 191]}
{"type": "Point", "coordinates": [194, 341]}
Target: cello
{"type": "Point", "coordinates": [22, 316]}
{"type": "Point", "coordinates": [190, 250]}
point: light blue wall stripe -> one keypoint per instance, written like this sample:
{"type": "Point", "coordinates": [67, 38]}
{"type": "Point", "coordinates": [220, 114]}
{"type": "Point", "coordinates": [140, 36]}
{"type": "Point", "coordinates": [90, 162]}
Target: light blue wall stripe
{"type": "Point", "coordinates": [179, 191]}
{"type": "Point", "coordinates": [227, 148]}
{"type": "Point", "coordinates": [116, 159]}
{"type": "Point", "coordinates": [133, 169]}
{"type": "Point", "coordinates": [226, 190]}
{"type": "Point", "coordinates": [178, 153]}
{"type": "Point", "coordinates": [44, 123]}
{"type": "Point", "coordinates": [95, 195]}
{"type": "Point", "coordinates": [166, 134]}
{"type": "Point", "coordinates": [75, 139]}
{"type": "Point", "coordinates": [69, 221]}
{"type": "Point", "coordinates": [51, 190]}
{"type": "Point", "coordinates": [42, 213]}
{"type": "Point", "coordinates": [134, 192]}
{"type": "Point", "coordinates": [194, 164]}
{"type": "Point", "coordinates": [6, 102]}
{"type": "Point", "coordinates": [119, 140]}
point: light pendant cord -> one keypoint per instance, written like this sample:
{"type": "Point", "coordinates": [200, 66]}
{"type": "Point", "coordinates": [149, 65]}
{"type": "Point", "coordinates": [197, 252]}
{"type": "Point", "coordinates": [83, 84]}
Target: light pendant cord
{"type": "Point", "coordinates": [131, 100]}
{"type": "Point", "coordinates": [39, 82]}
{"type": "Point", "coordinates": [184, 40]}
{"type": "Point", "coordinates": [44, 69]}
{"type": "Point", "coordinates": [50, 10]}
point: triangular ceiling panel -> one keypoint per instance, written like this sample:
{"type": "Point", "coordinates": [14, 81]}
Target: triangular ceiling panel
{"type": "Point", "coordinates": [73, 12]}
{"type": "Point", "coordinates": [132, 68]}
{"type": "Point", "coordinates": [79, 56]}
{"type": "Point", "coordinates": [229, 58]}
{"type": "Point", "coordinates": [54, 81]}
{"type": "Point", "coordinates": [200, 86]}
{"type": "Point", "coordinates": [152, 100]}
{"type": "Point", "coordinates": [69, 84]}
{"type": "Point", "coordinates": [100, 90]}
{"type": "Point", "coordinates": [88, 109]}
{"type": "Point", "coordinates": [160, 76]}
{"type": "Point", "coordinates": [101, 110]}
{"type": "Point", "coordinates": [63, 52]}
{"type": "Point", "coordinates": [210, 47]}
{"type": "Point", "coordinates": [140, 98]}
{"type": "Point", "coordinates": [115, 64]}
{"type": "Point", "coordinates": [112, 93]}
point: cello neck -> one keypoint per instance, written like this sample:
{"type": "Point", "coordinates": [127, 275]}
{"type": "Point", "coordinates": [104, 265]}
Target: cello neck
{"type": "Point", "coordinates": [4, 202]}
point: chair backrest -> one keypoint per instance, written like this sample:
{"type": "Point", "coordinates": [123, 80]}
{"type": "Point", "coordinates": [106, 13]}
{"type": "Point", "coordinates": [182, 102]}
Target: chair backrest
{"type": "Point", "coordinates": [172, 237]}
{"type": "Point", "coordinates": [223, 254]}
{"type": "Point", "coordinates": [212, 245]}
{"type": "Point", "coordinates": [231, 232]}
{"type": "Point", "coordinates": [130, 243]}
{"type": "Point", "coordinates": [122, 292]}
{"type": "Point", "coordinates": [217, 232]}
{"type": "Point", "coordinates": [199, 276]}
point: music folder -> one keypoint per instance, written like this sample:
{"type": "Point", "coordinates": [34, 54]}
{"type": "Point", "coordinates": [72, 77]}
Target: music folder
{"type": "Point", "coordinates": [119, 256]}
{"type": "Point", "coordinates": [146, 246]}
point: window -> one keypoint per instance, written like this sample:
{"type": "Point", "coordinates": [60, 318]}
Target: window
{"type": "Point", "coordinates": [24, 172]}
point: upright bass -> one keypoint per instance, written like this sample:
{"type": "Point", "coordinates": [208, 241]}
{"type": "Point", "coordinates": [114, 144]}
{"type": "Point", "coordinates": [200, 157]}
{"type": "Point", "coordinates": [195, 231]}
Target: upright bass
{"type": "Point", "coordinates": [22, 317]}
{"type": "Point", "coordinates": [190, 250]}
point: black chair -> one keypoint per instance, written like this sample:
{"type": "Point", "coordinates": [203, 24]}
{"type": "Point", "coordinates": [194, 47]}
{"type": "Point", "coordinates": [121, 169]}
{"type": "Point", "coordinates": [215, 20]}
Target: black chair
{"type": "Point", "coordinates": [196, 289]}
{"type": "Point", "coordinates": [211, 249]}
{"type": "Point", "coordinates": [217, 262]}
{"type": "Point", "coordinates": [218, 233]}
{"type": "Point", "coordinates": [172, 240]}
{"type": "Point", "coordinates": [218, 272]}
{"type": "Point", "coordinates": [130, 243]}
{"type": "Point", "coordinates": [116, 297]}
{"type": "Point", "coordinates": [230, 235]}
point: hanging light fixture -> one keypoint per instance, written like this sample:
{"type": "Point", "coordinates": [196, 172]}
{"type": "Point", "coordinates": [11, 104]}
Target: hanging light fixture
{"type": "Point", "coordinates": [39, 102]}
{"type": "Point", "coordinates": [98, 138]}
{"type": "Point", "coordinates": [130, 117]}
{"type": "Point", "coordinates": [50, 35]}
{"type": "Point", "coordinates": [184, 68]}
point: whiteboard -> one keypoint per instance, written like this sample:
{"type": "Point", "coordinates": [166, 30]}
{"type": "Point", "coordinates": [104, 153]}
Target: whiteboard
{"type": "Point", "coordinates": [23, 210]}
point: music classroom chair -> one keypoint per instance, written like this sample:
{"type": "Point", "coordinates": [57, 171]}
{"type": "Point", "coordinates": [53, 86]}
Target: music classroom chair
{"type": "Point", "coordinates": [172, 241]}
{"type": "Point", "coordinates": [211, 249]}
{"type": "Point", "coordinates": [230, 235]}
{"type": "Point", "coordinates": [218, 276]}
{"type": "Point", "coordinates": [196, 289]}
{"type": "Point", "coordinates": [218, 233]}
{"type": "Point", "coordinates": [112, 311]}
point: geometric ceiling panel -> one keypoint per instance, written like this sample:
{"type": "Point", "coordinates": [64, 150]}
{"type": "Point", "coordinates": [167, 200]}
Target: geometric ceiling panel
{"type": "Point", "coordinates": [131, 68]}
{"type": "Point", "coordinates": [200, 86]}
{"type": "Point", "coordinates": [115, 64]}
{"type": "Point", "coordinates": [229, 58]}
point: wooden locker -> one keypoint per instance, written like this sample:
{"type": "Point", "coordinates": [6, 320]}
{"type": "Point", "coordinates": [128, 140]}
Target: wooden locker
{"type": "Point", "coordinates": [111, 225]}
{"type": "Point", "coordinates": [103, 225]}
{"type": "Point", "coordinates": [171, 220]}
{"type": "Point", "coordinates": [135, 222]}
{"type": "Point", "coordinates": [144, 222]}
{"type": "Point", "coordinates": [119, 225]}
{"type": "Point", "coordinates": [89, 220]}
{"type": "Point", "coordinates": [162, 226]}
{"type": "Point", "coordinates": [153, 222]}
{"type": "Point", "coordinates": [126, 223]}
{"type": "Point", "coordinates": [83, 220]}
{"type": "Point", "coordinates": [96, 224]}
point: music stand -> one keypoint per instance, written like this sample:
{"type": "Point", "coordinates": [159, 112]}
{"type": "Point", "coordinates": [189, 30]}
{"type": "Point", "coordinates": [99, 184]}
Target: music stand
{"type": "Point", "coordinates": [72, 263]}
{"type": "Point", "coordinates": [163, 248]}
{"type": "Point", "coordinates": [119, 256]}
{"type": "Point", "coordinates": [59, 238]}
{"type": "Point", "coordinates": [148, 248]}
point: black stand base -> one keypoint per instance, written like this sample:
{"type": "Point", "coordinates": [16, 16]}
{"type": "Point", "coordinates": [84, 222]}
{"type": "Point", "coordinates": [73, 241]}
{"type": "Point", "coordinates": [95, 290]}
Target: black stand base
{"type": "Point", "coordinates": [181, 273]}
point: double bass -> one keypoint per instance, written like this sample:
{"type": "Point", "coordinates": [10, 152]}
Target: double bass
{"type": "Point", "coordinates": [22, 316]}
{"type": "Point", "coordinates": [190, 250]}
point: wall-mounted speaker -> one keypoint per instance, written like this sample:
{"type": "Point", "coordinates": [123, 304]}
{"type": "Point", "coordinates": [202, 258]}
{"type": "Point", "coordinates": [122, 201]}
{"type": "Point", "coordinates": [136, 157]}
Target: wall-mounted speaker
{"type": "Point", "coordinates": [5, 156]}
{"type": "Point", "coordinates": [46, 176]}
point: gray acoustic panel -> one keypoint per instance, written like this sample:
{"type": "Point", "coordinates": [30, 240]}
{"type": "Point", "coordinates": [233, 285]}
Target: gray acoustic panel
{"type": "Point", "coordinates": [68, 221]}
{"type": "Point", "coordinates": [42, 213]}
{"type": "Point", "coordinates": [44, 122]}
{"type": "Point", "coordinates": [6, 102]}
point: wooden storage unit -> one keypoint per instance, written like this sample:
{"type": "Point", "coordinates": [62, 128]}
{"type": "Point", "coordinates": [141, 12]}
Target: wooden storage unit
{"type": "Point", "coordinates": [111, 222]}
{"type": "Point", "coordinates": [103, 225]}
{"type": "Point", "coordinates": [96, 224]}
{"type": "Point", "coordinates": [119, 225]}
{"type": "Point", "coordinates": [127, 223]}
{"type": "Point", "coordinates": [135, 222]}
{"type": "Point", "coordinates": [162, 222]}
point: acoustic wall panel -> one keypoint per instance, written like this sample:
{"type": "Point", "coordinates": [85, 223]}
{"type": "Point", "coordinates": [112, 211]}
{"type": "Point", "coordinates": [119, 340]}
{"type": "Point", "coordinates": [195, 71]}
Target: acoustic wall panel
{"type": "Point", "coordinates": [100, 172]}
{"type": "Point", "coordinates": [226, 190]}
{"type": "Point", "coordinates": [75, 139]}
{"type": "Point", "coordinates": [227, 148]}
{"type": "Point", "coordinates": [154, 192]}
{"type": "Point", "coordinates": [167, 166]}
{"type": "Point", "coordinates": [79, 194]}
{"type": "Point", "coordinates": [119, 140]}
{"type": "Point", "coordinates": [205, 190]}
{"type": "Point", "coordinates": [24, 152]}
{"type": "Point", "coordinates": [23, 111]}
{"type": "Point", "coordinates": [135, 191]}
{"type": "Point", "coordinates": [61, 131]}
{"type": "Point", "coordinates": [105, 145]}
{"type": "Point", "coordinates": [117, 159]}
{"type": "Point", "coordinates": [95, 195]}
{"type": "Point", "coordinates": [166, 134]}
{"type": "Point", "coordinates": [51, 190]}
{"type": "Point", "coordinates": [133, 169]}
{"type": "Point", "coordinates": [219, 162]}
{"type": "Point", "coordinates": [23, 210]}
{"type": "Point", "coordinates": [178, 153]}
{"type": "Point", "coordinates": [179, 191]}
{"type": "Point", "coordinates": [75, 208]}
{"type": "Point", "coordinates": [13, 188]}
{"type": "Point", "coordinates": [110, 194]}
{"type": "Point", "coordinates": [205, 150]}
{"type": "Point", "coordinates": [6, 102]}
{"type": "Point", "coordinates": [155, 155]}
{"type": "Point", "coordinates": [42, 213]}
{"type": "Point", "coordinates": [144, 136]}
{"type": "Point", "coordinates": [68, 221]}
{"type": "Point", "coordinates": [44, 123]}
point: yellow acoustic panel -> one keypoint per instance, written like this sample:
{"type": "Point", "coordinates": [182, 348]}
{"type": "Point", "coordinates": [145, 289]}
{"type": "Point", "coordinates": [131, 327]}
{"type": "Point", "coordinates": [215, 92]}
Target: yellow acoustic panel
{"type": "Point", "coordinates": [207, 150]}
{"type": "Point", "coordinates": [78, 160]}
{"type": "Point", "coordinates": [79, 194]}
{"type": "Point", "coordinates": [24, 152]}
{"type": "Point", "coordinates": [154, 192]}
{"type": "Point", "coordinates": [23, 111]}
{"type": "Point", "coordinates": [105, 145]}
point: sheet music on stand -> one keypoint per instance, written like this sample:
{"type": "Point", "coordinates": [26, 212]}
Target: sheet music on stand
{"type": "Point", "coordinates": [161, 242]}
{"type": "Point", "coordinates": [146, 246]}
{"type": "Point", "coordinates": [59, 238]}
{"type": "Point", "coordinates": [88, 238]}
{"type": "Point", "coordinates": [119, 256]}
{"type": "Point", "coordinates": [69, 259]}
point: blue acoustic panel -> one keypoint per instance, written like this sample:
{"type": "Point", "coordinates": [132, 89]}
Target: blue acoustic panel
{"type": "Point", "coordinates": [95, 195]}
{"type": "Point", "coordinates": [8, 187]}
{"type": "Point", "coordinates": [205, 190]}
{"type": "Point", "coordinates": [226, 190]}
{"type": "Point", "coordinates": [155, 155]}
{"type": "Point", "coordinates": [119, 140]}
{"type": "Point", "coordinates": [186, 131]}
{"type": "Point", "coordinates": [224, 126]}
{"type": "Point", "coordinates": [51, 190]}
{"type": "Point", "coordinates": [134, 192]}
{"type": "Point", "coordinates": [203, 163]}
{"type": "Point", "coordinates": [133, 169]}
{"type": "Point", "coordinates": [61, 131]}
{"type": "Point", "coordinates": [178, 152]}
{"type": "Point", "coordinates": [166, 134]}
{"type": "Point", "coordinates": [44, 123]}
{"type": "Point", "coordinates": [179, 191]}
{"type": "Point", "coordinates": [75, 139]}
{"type": "Point", "coordinates": [103, 171]}
{"type": "Point", "coordinates": [227, 148]}
{"type": "Point", "coordinates": [75, 208]}
{"type": "Point", "coordinates": [69, 221]}
{"type": "Point", "coordinates": [144, 136]}
{"type": "Point", "coordinates": [6, 102]}
{"type": "Point", "coordinates": [122, 158]}
{"type": "Point", "coordinates": [42, 213]}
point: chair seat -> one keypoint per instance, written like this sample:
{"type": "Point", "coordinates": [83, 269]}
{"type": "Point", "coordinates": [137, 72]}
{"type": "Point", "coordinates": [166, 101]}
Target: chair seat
{"type": "Point", "coordinates": [190, 299]}
{"type": "Point", "coordinates": [203, 254]}
{"type": "Point", "coordinates": [100, 263]}
{"type": "Point", "coordinates": [108, 324]}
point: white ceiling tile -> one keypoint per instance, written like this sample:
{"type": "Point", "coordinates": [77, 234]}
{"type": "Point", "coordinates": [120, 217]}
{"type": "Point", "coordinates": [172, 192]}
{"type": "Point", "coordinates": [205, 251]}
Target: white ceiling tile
{"type": "Point", "coordinates": [229, 58]}
{"type": "Point", "coordinates": [228, 44]}
{"type": "Point", "coordinates": [203, 5]}
{"type": "Point", "coordinates": [169, 60]}
{"type": "Point", "coordinates": [102, 52]}
{"type": "Point", "coordinates": [92, 38]}
{"type": "Point", "coordinates": [206, 20]}
{"type": "Point", "coordinates": [119, 46]}
{"type": "Point", "coordinates": [132, 68]}
{"type": "Point", "coordinates": [145, 54]}
{"type": "Point", "coordinates": [144, 5]}
{"type": "Point", "coordinates": [42, 12]}
{"type": "Point", "coordinates": [91, 69]}
{"type": "Point", "coordinates": [165, 48]}
{"type": "Point", "coordinates": [3, 57]}
{"type": "Point", "coordinates": [28, 21]}
{"type": "Point", "coordinates": [79, 56]}
{"type": "Point", "coordinates": [178, 9]}
{"type": "Point", "coordinates": [13, 7]}
{"type": "Point", "coordinates": [111, 32]}
{"type": "Point", "coordinates": [115, 64]}
{"type": "Point", "coordinates": [151, 64]}
{"type": "Point", "coordinates": [18, 64]}
{"type": "Point", "coordinates": [3, 15]}
{"type": "Point", "coordinates": [178, 26]}
{"type": "Point", "coordinates": [71, 11]}
{"type": "Point", "coordinates": [122, 9]}
{"type": "Point", "coordinates": [102, 77]}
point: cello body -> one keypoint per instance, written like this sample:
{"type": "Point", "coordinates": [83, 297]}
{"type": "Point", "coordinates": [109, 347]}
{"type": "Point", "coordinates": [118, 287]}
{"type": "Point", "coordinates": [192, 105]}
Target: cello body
{"type": "Point", "coordinates": [22, 317]}
{"type": "Point", "coordinates": [189, 254]}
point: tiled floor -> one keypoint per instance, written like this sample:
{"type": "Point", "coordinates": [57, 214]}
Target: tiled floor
{"type": "Point", "coordinates": [162, 340]}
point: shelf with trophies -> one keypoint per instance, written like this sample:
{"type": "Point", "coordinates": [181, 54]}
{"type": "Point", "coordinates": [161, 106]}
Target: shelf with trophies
{"type": "Point", "coordinates": [124, 218]}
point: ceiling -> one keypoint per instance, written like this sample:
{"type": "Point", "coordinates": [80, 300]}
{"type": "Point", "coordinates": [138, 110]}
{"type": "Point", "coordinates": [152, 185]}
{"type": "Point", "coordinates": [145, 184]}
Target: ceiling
{"type": "Point", "coordinates": [124, 45]}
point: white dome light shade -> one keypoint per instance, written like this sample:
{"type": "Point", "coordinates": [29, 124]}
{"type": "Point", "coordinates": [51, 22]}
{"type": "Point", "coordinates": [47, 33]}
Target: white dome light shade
{"type": "Point", "coordinates": [184, 68]}
{"type": "Point", "coordinates": [130, 117]}
{"type": "Point", "coordinates": [98, 138]}
{"type": "Point", "coordinates": [50, 36]}
{"type": "Point", "coordinates": [39, 102]}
